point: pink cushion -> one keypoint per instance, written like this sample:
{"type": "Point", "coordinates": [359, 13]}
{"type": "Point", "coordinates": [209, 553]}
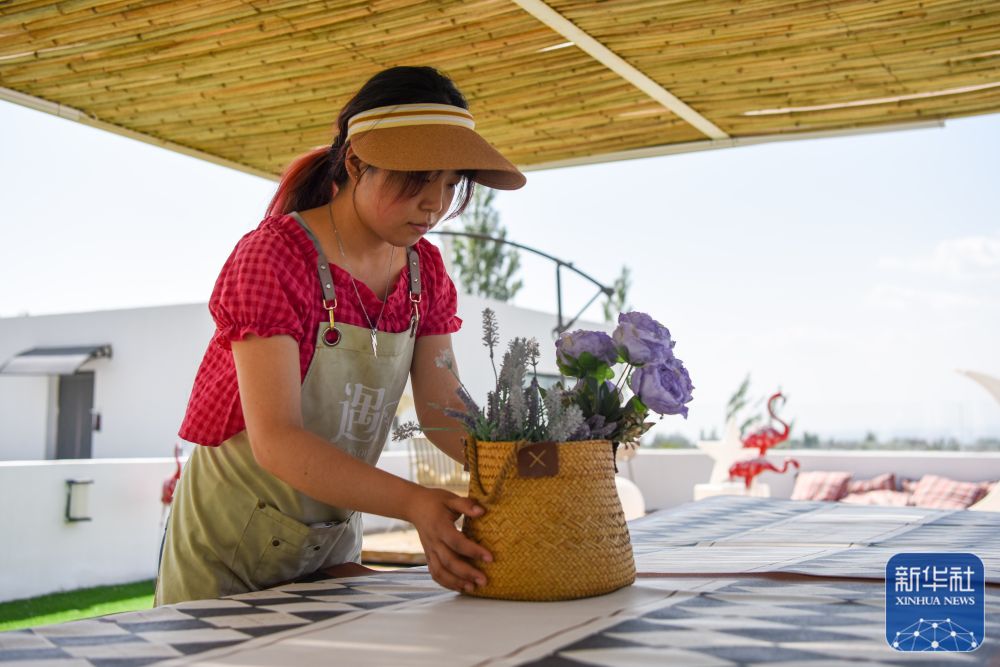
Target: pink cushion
{"type": "Point", "coordinates": [819, 485]}
{"type": "Point", "coordinates": [886, 481]}
{"type": "Point", "coordinates": [886, 497]}
{"type": "Point", "coordinates": [942, 493]}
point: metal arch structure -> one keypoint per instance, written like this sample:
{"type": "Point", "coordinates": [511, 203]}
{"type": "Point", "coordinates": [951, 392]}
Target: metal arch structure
{"type": "Point", "coordinates": [560, 263]}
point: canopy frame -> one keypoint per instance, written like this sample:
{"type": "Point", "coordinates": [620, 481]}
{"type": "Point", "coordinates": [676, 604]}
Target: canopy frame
{"type": "Point", "coordinates": [65, 360]}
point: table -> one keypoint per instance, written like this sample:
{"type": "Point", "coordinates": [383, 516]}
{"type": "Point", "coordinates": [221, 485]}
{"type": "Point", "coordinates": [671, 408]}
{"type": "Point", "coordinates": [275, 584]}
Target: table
{"type": "Point", "coordinates": [724, 581]}
{"type": "Point", "coordinates": [738, 488]}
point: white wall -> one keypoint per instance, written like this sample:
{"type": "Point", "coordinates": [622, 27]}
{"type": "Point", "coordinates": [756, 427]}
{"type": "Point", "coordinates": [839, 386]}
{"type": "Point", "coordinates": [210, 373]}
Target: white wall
{"type": "Point", "coordinates": [43, 553]}
{"type": "Point", "coordinates": [24, 415]}
{"type": "Point", "coordinates": [142, 391]}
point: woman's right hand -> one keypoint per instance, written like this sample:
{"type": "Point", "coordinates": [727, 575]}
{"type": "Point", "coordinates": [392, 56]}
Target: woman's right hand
{"type": "Point", "coordinates": [434, 512]}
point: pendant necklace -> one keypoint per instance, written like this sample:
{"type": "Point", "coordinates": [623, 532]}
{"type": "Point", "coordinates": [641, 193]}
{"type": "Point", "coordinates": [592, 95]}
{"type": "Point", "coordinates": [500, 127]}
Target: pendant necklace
{"type": "Point", "coordinates": [372, 327]}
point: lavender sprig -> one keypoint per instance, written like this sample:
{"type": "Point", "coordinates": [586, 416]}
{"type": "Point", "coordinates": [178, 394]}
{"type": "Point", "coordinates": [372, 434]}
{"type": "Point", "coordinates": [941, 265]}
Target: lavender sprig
{"type": "Point", "coordinates": [406, 431]}
{"type": "Point", "coordinates": [491, 337]}
{"type": "Point", "coordinates": [533, 398]}
{"type": "Point", "coordinates": [563, 418]}
{"type": "Point", "coordinates": [469, 420]}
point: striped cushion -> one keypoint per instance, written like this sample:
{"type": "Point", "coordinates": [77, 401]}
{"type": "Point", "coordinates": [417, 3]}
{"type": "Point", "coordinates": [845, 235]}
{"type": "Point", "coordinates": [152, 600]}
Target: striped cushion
{"type": "Point", "coordinates": [886, 497]}
{"type": "Point", "coordinates": [820, 485]}
{"type": "Point", "coordinates": [885, 481]}
{"type": "Point", "coordinates": [943, 493]}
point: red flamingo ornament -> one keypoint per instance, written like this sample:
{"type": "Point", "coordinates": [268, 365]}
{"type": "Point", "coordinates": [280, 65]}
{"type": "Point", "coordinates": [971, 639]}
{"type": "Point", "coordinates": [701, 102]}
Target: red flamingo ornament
{"type": "Point", "coordinates": [768, 436]}
{"type": "Point", "coordinates": [167, 495]}
{"type": "Point", "coordinates": [750, 468]}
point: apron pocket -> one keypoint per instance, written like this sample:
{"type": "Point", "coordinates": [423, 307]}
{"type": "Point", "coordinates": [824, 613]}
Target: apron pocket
{"type": "Point", "coordinates": [325, 540]}
{"type": "Point", "coordinates": [271, 550]}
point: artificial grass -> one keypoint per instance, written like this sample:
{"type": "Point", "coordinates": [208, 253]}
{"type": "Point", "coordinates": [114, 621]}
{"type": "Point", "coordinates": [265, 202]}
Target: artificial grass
{"type": "Point", "coordinates": [73, 605]}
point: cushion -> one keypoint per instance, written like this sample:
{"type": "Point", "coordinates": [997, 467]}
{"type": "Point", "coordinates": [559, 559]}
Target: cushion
{"type": "Point", "coordinates": [991, 501]}
{"type": "Point", "coordinates": [885, 497]}
{"type": "Point", "coordinates": [885, 481]}
{"type": "Point", "coordinates": [908, 485]}
{"type": "Point", "coordinates": [942, 493]}
{"type": "Point", "coordinates": [820, 485]}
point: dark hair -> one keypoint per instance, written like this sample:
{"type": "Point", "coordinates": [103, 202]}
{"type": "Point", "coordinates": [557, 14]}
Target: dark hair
{"type": "Point", "coordinates": [308, 180]}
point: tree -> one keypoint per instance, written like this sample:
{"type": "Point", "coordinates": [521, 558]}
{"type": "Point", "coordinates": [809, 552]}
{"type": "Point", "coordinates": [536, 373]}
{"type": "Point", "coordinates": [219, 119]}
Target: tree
{"type": "Point", "coordinates": [672, 441]}
{"type": "Point", "coordinates": [616, 302]}
{"type": "Point", "coordinates": [486, 268]}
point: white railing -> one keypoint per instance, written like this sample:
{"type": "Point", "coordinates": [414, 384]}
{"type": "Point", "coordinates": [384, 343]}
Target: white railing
{"type": "Point", "coordinates": [45, 553]}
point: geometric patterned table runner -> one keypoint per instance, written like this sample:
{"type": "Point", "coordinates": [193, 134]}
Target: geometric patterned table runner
{"type": "Point", "coordinates": [758, 613]}
{"type": "Point", "coordinates": [743, 620]}
{"type": "Point", "coordinates": [734, 534]}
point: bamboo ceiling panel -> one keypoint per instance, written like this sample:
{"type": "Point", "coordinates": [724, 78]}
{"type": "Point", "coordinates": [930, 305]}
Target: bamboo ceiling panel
{"type": "Point", "coordinates": [256, 83]}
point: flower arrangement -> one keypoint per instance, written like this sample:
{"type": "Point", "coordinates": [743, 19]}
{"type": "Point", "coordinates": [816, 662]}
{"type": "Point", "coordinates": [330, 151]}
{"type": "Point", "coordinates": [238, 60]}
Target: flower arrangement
{"type": "Point", "coordinates": [538, 457]}
{"type": "Point", "coordinates": [596, 406]}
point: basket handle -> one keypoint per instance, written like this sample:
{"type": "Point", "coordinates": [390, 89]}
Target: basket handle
{"type": "Point", "coordinates": [472, 457]}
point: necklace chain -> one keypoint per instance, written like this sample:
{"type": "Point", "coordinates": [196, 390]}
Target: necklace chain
{"type": "Point", "coordinates": [388, 271]}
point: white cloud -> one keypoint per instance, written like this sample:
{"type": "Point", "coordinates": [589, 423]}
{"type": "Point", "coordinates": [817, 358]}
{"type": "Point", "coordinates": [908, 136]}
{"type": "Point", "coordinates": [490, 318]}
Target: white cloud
{"type": "Point", "coordinates": [968, 257]}
{"type": "Point", "coordinates": [894, 297]}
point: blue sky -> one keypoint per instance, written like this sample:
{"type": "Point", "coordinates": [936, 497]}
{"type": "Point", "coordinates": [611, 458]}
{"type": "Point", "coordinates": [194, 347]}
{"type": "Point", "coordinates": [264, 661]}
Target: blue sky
{"type": "Point", "coordinates": [855, 273]}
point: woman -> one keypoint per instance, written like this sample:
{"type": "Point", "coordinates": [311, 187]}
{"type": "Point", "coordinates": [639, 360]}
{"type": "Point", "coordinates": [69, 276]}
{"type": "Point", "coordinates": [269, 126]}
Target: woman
{"type": "Point", "coordinates": [322, 313]}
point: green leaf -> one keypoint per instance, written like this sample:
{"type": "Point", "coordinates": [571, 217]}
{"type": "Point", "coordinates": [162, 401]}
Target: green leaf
{"type": "Point", "coordinates": [609, 401]}
{"type": "Point", "coordinates": [636, 406]}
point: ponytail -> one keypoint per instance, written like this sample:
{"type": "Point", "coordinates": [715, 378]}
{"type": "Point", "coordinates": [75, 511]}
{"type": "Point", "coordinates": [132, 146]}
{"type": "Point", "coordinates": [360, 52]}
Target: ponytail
{"type": "Point", "coordinates": [307, 182]}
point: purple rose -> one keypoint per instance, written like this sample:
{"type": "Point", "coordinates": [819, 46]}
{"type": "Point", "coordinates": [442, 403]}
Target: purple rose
{"type": "Point", "coordinates": [664, 388]}
{"type": "Point", "coordinates": [571, 347]}
{"type": "Point", "coordinates": [609, 386]}
{"type": "Point", "coordinates": [645, 341]}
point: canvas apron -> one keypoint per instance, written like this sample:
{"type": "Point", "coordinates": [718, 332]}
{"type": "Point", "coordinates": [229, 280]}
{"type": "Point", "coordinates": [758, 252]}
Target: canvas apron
{"type": "Point", "coordinates": [233, 526]}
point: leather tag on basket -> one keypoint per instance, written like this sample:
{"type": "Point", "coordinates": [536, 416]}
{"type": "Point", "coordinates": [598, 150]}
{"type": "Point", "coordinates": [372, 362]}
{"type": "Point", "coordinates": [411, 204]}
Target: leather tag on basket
{"type": "Point", "coordinates": [539, 459]}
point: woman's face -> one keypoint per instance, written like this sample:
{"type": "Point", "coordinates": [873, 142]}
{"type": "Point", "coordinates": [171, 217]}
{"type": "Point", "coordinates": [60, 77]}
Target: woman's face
{"type": "Point", "coordinates": [398, 218]}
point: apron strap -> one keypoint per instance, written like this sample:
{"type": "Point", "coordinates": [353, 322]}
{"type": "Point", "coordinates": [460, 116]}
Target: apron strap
{"type": "Point", "coordinates": [414, 264]}
{"type": "Point", "coordinates": [325, 275]}
{"type": "Point", "coordinates": [330, 293]}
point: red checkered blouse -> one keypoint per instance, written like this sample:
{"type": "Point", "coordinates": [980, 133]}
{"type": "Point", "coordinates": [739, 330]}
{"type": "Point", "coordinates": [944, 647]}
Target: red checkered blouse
{"type": "Point", "coordinates": [270, 286]}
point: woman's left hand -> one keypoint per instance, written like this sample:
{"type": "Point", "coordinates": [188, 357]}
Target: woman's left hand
{"type": "Point", "coordinates": [434, 512]}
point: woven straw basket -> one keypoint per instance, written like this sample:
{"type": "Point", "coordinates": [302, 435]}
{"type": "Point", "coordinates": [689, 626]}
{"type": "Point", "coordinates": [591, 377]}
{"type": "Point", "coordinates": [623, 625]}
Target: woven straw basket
{"type": "Point", "coordinates": [552, 538]}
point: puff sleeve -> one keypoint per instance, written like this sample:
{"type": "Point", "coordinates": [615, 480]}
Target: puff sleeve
{"type": "Point", "coordinates": [259, 290]}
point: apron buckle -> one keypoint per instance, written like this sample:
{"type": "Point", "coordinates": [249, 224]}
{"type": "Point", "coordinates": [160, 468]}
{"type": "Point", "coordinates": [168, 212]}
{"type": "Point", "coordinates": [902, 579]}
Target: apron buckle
{"type": "Point", "coordinates": [331, 337]}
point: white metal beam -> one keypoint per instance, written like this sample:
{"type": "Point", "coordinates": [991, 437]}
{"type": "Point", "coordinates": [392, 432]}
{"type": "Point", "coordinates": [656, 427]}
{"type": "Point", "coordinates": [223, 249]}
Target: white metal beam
{"type": "Point", "coordinates": [612, 61]}
{"type": "Point", "coordinates": [693, 146]}
{"type": "Point", "coordinates": [70, 113]}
